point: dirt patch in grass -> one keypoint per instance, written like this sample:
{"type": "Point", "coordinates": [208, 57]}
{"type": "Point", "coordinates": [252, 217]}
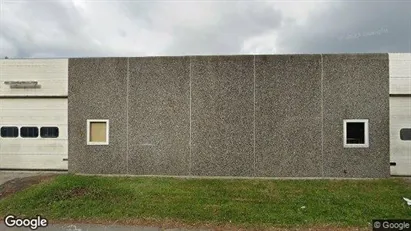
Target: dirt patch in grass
{"type": "Point", "coordinates": [407, 180]}
{"type": "Point", "coordinates": [78, 192]}
{"type": "Point", "coordinates": [73, 193]}
{"type": "Point", "coordinates": [19, 184]}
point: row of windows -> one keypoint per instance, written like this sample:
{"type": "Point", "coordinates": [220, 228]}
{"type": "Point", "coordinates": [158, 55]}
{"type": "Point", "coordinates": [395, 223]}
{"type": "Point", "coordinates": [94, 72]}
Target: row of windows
{"type": "Point", "coordinates": [29, 132]}
{"type": "Point", "coordinates": [356, 132]}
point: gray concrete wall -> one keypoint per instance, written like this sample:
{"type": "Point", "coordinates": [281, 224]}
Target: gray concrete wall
{"type": "Point", "coordinates": [270, 116]}
{"type": "Point", "coordinates": [356, 87]}
{"type": "Point", "coordinates": [97, 90]}
{"type": "Point", "coordinates": [222, 115]}
{"type": "Point", "coordinates": [159, 116]}
{"type": "Point", "coordinates": [288, 115]}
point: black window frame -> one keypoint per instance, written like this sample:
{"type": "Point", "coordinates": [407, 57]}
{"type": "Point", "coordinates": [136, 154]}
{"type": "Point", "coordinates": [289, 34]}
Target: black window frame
{"type": "Point", "coordinates": [407, 136]}
{"type": "Point", "coordinates": [3, 133]}
{"type": "Point", "coordinates": [23, 134]}
{"type": "Point", "coordinates": [55, 131]}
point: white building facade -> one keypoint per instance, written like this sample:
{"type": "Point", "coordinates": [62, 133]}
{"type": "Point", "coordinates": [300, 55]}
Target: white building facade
{"type": "Point", "coordinates": [33, 114]}
{"type": "Point", "coordinates": [400, 113]}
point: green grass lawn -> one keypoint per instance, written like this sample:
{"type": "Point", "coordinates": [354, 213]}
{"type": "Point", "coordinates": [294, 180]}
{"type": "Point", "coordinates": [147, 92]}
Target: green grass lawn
{"type": "Point", "coordinates": [215, 201]}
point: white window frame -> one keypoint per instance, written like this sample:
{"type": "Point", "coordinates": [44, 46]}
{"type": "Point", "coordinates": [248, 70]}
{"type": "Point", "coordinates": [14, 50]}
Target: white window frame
{"type": "Point", "coordinates": [89, 121]}
{"type": "Point", "coordinates": [366, 143]}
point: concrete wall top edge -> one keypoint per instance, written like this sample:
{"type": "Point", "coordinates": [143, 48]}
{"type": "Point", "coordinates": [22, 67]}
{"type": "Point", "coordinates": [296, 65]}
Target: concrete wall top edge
{"type": "Point", "coordinates": [293, 58]}
{"type": "Point", "coordinates": [218, 55]}
{"type": "Point", "coordinates": [379, 56]}
{"type": "Point", "coordinates": [99, 58]}
{"type": "Point", "coordinates": [275, 56]}
{"type": "Point", "coordinates": [242, 55]}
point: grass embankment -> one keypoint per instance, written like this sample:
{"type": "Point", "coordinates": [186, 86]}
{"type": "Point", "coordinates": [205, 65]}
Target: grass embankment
{"type": "Point", "coordinates": [215, 201]}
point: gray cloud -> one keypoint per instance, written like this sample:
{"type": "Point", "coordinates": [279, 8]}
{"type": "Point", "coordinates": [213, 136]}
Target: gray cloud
{"type": "Point", "coordinates": [353, 27]}
{"type": "Point", "coordinates": [222, 26]}
{"type": "Point", "coordinates": [228, 35]}
{"type": "Point", "coordinates": [45, 29]}
{"type": "Point", "coordinates": [72, 29]}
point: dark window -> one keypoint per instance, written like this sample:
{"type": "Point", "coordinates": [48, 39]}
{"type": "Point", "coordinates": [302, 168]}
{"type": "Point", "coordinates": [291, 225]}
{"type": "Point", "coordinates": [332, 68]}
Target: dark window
{"type": "Point", "coordinates": [355, 133]}
{"type": "Point", "coordinates": [29, 132]}
{"type": "Point", "coordinates": [405, 134]}
{"type": "Point", "coordinates": [9, 132]}
{"type": "Point", "coordinates": [49, 132]}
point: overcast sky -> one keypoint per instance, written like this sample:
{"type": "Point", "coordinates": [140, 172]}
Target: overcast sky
{"type": "Point", "coordinates": [83, 28]}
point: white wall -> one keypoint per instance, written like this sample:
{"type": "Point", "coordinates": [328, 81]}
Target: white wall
{"type": "Point", "coordinates": [51, 74]}
{"type": "Point", "coordinates": [400, 111]}
{"type": "Point", "coordinates": [400, 73]}
{"type": "Point", "coordinates": [400, 150]}
{"type": "Point", "coordinates": [34, 153]}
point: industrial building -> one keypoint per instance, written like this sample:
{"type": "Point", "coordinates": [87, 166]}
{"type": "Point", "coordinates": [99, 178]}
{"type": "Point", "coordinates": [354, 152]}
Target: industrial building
{"type": "Point", "coordinates": [308, 115]}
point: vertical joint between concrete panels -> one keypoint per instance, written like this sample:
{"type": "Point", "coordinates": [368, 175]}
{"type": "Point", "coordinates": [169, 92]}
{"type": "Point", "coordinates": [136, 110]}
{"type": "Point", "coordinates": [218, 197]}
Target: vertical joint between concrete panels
{"type": "Point", "coordinates": [190, 156]}
{"type": "Point", "coordinates": [254, 157]}
{"type": "Point", "coordinates": [322, 116]}
{"type": "Point", "coordinates": [127, 95]}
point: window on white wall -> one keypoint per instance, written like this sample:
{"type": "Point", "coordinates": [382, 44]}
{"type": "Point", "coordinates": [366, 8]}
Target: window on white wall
{"type": "Point", "coordinates": [405, 134]}
{"type": "Point", "coordinates": [49, 132]}
{"type": "Point", "coordinates": [29, 132]}
{"type": "Point", "coordinates": [9, 132]}
{"type": "Point", "coordinates": [97, 132]}
{"type": "Point", "coordinates": [356, 133]}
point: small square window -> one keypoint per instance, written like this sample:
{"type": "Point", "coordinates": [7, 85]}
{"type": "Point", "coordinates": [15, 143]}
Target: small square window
{"type": "Point", "coordinates": [356, 133]}
{"type": "Point", "coordinates": [9, 132]}
{"type": "Point", "coordinates": [97, 132]}
{"type": "Point", "coordinates": [405, 134]}
{"type": "Point", "coordinates": [49, 132]}
{"type": "Point", "coordinates": [29, 132]}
